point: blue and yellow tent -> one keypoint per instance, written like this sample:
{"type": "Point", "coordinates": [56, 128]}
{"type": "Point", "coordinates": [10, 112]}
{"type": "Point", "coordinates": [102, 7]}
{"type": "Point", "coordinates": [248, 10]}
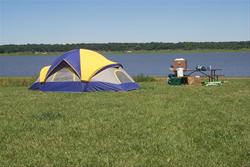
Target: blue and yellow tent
{"type": "Point", "coordinates": [83, 70]}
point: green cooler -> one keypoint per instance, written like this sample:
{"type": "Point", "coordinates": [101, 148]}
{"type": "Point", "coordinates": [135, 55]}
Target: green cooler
{"type": "Point", "coordinates": [175, 81]}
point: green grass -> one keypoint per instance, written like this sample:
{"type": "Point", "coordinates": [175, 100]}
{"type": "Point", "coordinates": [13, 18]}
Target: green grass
{"type": "Point", "coordinates": [157, 125]}
{"type": "Point", "coordinates": [16, 81]}
{"type": "Point", "coordinates": [144, 78]}
{"type": "Point", "coordinates": [176, 51]}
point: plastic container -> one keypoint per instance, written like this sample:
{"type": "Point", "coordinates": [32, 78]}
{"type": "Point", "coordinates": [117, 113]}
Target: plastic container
{"type": "Point", "coordinates": [179, 72]}
{"type": "Point", "coordinates": [171, 75]}
{"type": "Point", "coordinates": [179, 63]}
{"type": "Point", "coordinates": [175, 81]}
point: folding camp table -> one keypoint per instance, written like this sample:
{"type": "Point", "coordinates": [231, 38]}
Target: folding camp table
{"type": "Point", "coordinates": [211, 74]}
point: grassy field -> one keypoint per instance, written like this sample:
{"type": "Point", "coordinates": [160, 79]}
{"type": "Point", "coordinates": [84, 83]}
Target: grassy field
{"type": "Point", "coordinates": [157, 125]}
{"type": "Point", "coordinates": [177, 51]}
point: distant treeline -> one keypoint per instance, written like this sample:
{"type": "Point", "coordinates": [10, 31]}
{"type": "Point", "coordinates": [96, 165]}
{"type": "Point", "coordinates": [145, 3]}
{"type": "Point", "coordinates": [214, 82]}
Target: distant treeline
{"type": "Point", "coordinates": [124, 46]}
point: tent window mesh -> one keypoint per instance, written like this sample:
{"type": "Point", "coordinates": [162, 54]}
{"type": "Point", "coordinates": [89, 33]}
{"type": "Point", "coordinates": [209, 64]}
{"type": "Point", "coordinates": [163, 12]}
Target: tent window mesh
{"type": "Point", "coordinates": [123, 78]}
{"type": "Point", "coordinates": [64, 74]}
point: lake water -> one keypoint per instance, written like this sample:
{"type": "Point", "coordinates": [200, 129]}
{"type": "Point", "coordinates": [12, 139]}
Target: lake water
{"type": "Point", "coordinates": [233, 64]}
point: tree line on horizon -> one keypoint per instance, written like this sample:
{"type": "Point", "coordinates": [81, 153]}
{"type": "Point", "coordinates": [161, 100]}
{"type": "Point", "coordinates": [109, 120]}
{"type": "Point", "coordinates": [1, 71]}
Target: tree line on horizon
{"type": "Point", "coordinates": [124, 46]}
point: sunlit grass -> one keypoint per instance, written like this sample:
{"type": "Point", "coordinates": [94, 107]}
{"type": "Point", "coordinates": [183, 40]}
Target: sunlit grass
{"type": "Point", "coordinates": [157, 125]}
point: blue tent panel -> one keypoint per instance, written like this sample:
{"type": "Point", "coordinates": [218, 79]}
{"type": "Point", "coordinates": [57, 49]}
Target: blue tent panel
{"type": "Point", "coordinates": [104, 86]}
{"type": "Point", "coordinates": [72, 58]}
{"type": "Point", "coordinates": [35, 86]}
{"type": "Point", "coordinates": [62, 86]}
{"type": "Point", "coordinates": [83, 86]}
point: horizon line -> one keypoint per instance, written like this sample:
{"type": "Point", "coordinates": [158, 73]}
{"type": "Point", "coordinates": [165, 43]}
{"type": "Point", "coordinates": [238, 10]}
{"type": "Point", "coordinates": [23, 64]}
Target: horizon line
{"type": "Point", "coordinates": [123, 42]}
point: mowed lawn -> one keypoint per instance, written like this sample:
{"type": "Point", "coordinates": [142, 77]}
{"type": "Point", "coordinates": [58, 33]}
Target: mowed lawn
{"type": "Point", "coordinates": [158, 125]}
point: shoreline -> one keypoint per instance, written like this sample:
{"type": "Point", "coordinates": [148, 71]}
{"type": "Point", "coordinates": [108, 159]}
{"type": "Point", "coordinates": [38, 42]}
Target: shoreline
{"type": "Point", "coordinates": [155, 52]}
{"type": "Point", "coordinates": [156, 77]}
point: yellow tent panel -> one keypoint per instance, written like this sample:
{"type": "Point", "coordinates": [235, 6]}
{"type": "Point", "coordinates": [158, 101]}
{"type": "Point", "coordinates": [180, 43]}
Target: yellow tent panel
{"type": "Point", "coordinates": [43, 73]}
{"type": "Point", "coordinates": [91, 62]}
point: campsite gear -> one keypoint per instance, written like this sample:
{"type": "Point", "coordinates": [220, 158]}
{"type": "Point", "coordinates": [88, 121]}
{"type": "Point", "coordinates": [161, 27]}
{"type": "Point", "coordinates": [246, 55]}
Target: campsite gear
{"type": "Point", "coordinates": [194, 80]}
{"type": "Point", "coordinates": [212, 83]}
{"type": "Point", "coordinates": [179, 68]}
{"type": "Point", "coordinates": [201, 68]}
{"type": "Point", "coordinates": [175, 80]}
{"type": "Point", "coordinates": [83, 70]}
{"type": "Point", "coordinates": [179, 72]}
{"type": "Point", "coordinates": [211, 74]}
{"type": "Point", "coordinates": [179, 63]}
{"type": "Point", "coordinates": [171, 75]}
{"type": "Point", "coordinates": [209, 68]}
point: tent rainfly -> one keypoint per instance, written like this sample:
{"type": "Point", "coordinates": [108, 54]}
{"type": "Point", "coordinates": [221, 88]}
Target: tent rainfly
{"type": "Point", "coordinates": [83, 70]}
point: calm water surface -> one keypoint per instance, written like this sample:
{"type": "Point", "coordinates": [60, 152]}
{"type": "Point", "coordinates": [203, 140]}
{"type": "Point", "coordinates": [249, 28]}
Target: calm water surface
{"type": "Point", "coordinates": [233, 64]}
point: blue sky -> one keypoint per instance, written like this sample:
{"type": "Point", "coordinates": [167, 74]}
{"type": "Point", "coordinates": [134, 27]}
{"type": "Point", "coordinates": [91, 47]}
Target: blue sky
{"type": "Point", "coordinates": [98, 21]}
